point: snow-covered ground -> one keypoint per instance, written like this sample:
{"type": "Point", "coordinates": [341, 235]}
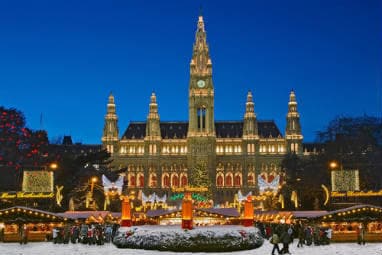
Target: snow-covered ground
{"type": "Point", "coordinates": [110, 249]}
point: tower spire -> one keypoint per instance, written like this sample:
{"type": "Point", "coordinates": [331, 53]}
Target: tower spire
{"type": "Point", "coordinates": [293, 127]}
{"type": "Point", "coordinates": [201, 62]}
{"type": "Point", "coordinates": [152, 124]}
{"type": "Point", "coordinates": [250, 123]}
{"type": "Point", "coordinates": [110, 130]}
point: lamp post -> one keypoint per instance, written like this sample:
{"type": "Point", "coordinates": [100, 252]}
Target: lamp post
{"type": "Point", "coordinates": [92, 182]}
{"type": "Point", "coordinates": [333, 165]}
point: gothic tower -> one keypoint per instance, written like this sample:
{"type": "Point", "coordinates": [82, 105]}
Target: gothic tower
{"type": "Point", "coordinates": [201, 127]}
{"type": "Point", "coordinates": [110, 130]}
{"type": "Point", "coordinates": [153, 134]}
{"type": "Point", "coordinates": [250, 130]}
{"type": "Point", "coordinates": [293, 134]}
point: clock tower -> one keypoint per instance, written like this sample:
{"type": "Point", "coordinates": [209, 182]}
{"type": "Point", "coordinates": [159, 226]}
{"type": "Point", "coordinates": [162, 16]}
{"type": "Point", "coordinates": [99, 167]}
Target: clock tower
{"type": "Point", "coordinates": [201, 126]}
{"type": "Point", "coordinates": [201, 89]}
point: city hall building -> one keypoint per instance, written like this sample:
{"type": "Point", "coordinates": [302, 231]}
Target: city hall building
{"type": "Point", "coordinates": [161, 155]}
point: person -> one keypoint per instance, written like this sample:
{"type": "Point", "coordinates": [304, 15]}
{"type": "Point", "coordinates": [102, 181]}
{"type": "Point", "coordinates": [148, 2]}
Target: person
{"type": "Point", "coordinates": [361, 232]}
{"type": "Point", "coordinates": [275, 241]}
{"type": "Point", "coordinates": [301, 236]}
{"type": "Point", "coordinates": [23, 234]}
{"type": "Point", "coordinates": [329, 232]}
{"type": "Point", "coordinates": [55, 235]}
{"type": "Point", "coordinates": [286, 238]}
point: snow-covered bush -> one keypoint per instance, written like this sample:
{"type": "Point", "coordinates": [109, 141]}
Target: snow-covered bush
{"type": "Point", "coordinates": [173, 238]}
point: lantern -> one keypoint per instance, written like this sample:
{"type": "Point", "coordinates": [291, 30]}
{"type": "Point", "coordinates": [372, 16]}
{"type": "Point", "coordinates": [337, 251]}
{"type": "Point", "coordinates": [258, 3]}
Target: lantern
{"type": "Point", "coordinates": [248, 212]}
{"type": "Point", "coordinates": [187, 211]}
{"type": "Point", "coordinates": [126, 212]}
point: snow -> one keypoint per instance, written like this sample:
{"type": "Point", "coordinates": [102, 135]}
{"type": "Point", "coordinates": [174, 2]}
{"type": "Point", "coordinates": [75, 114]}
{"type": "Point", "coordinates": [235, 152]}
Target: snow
{"type": "Point", "coordinates": [173, 238]}
{"type": "Point", "coordinates": [46, 248]}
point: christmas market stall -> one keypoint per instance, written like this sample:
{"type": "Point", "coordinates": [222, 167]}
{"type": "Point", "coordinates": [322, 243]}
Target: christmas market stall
{"type": "Point", "coordinates": [347, 223]}
{"type": "Point", "coordinates": [288, 217]}
{"type": "Point", "coordinates": [201, 216]}
{"type": "Point", "coordinates": [90, 217]}
{"type": "Point", "coordinates": [32, 224]}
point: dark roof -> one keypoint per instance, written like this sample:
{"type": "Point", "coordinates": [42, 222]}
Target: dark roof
{"type": "Point", "coordinates": [224, 129]}
{"type": "Point", "coordinates": [313, 146]}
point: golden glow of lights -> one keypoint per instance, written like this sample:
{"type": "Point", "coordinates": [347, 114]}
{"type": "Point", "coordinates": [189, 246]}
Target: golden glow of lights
{"type": "Point", "coordinates": [94, 179]}
{"type": "Point", "coordinates": [333, 165]}
{"type": "Point", "coordinates": [53, 166]}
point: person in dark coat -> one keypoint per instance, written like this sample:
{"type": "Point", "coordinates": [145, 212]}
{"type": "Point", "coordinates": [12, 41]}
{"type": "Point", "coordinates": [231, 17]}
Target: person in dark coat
{"type": "Point", "coordinates": [286, 238]}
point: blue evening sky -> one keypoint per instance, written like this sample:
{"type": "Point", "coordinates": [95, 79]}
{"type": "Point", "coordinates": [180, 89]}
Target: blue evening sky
{"type": "Point", "coordinates": [61, 59]}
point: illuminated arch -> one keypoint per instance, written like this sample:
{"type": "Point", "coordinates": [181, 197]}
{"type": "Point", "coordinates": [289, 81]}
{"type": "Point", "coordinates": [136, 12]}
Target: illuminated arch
{"type": "Point", "coordinates": [238, 180]}
{"type": "Point", "coordinates": [220, 180]}
{"type": "Point", "coordinates": [165, 180]}
{"type": "Point", "coordinates": [228, 180]}
{"type": "Point", "coordinates": [183, 180]}
{"type": "Point", "coordinates": [174, 180]}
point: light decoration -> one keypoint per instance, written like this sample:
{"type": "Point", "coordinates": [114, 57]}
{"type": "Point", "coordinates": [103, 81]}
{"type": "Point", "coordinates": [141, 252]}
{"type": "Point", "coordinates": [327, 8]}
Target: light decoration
{"type": "Point", "coordinates": [37, 181]}
{"type": "Point", "coordinates": [126, 212]}
{"type": "Point", "coordinates": [248, 213]}
{"type": "Point", "coordinates": [187, 212]}
{"type": "Point", "coordinates": [273, 186]}
{"type": "Point", "coordinates": [345, 180]}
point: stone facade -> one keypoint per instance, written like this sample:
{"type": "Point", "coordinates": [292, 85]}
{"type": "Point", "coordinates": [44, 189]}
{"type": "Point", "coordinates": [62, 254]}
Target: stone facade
{"type": "Point", "coordinates": [161, 155]}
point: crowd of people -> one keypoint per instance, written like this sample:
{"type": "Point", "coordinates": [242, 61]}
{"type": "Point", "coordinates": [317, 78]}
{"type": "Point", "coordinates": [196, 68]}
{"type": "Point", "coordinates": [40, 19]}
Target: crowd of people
{"type": "Point", "coordinates": [286, 233]}
{"type": "Point", "coordinates": [86, 234]}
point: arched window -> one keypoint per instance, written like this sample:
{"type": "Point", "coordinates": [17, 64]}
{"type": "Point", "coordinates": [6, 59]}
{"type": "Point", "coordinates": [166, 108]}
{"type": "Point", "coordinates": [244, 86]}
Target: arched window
{"type": "Point", "coordinates": [132, 181]}
{"type": "Point", "coordinates": [166, 181]}
{"type": "Point", "coordinates": [237, 180]}
{"type": "Point", "coordinates": [219, 180]}
{"type": "Point", "coordinates": [153, 180]}
{"type": "Point", "coordinates": [175, 181]}
{"type": "Point", "coordinates": [271, 177]}
{"type": "Point", "coordinates": [228, 180]}
{"type": "Point", "coordinates": [184, 181]}
{"type": "Point", "coordinates": [141, 181]}
{"type": "Point", "coordinates": [251, 179]}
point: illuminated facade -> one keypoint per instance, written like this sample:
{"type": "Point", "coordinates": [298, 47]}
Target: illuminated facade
{"type": "Point", "coordinates": [160, 155]}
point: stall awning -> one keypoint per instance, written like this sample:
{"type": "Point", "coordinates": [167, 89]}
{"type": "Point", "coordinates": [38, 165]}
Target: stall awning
{"type": "Point", "coordinates": [21, 214]}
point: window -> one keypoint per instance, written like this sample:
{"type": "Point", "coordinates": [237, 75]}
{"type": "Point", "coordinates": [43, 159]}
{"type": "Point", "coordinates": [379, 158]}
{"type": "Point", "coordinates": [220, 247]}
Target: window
{"type": "Point", "coordinates": [201, 119]}
{"type": "Point", "coordinates": [166, 181]}
{"type": "Point", "coordinates": [153, 180]}
{"type": "Point", "coordinates": [228, 181]}
{"type": "Point", "coordinates": [238, 180]}
{"type": "Point", "coordinates": [132, 182]}
{"type": "Point", "coordinates": [219, 180]}
{"type": "Point", "coordinates": [183, 181]}
{"type": "Point", "coordinates": [251, 179]}
{"type": "Point", "coordinates": [175, 181]}
{"type": "Point", "coordinates": [141, 181]}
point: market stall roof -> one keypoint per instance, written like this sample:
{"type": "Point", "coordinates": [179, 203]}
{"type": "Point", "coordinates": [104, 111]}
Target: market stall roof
{"type": "Point", "coordinates": [363, 212]}
{"type": "Point", "coordinates": [95, 216]}
{"type": "Point", "coordinates": [277, 215]}
{"type": "Point", "coordinates": [226, 212]}
{"type": "Point", "coordinates": [21, 214]}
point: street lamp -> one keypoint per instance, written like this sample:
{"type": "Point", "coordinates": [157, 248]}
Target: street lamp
{"type": "Point", "coordinates": [93, 181]}
{"type": "Point", "coordinates": [53, 166]}
{"type": "Point", "coordinates": [333, 165]}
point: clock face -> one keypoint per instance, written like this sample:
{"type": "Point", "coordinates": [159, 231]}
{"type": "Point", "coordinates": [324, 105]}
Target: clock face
{"type": "Point", "coordinates": [201, 83]}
